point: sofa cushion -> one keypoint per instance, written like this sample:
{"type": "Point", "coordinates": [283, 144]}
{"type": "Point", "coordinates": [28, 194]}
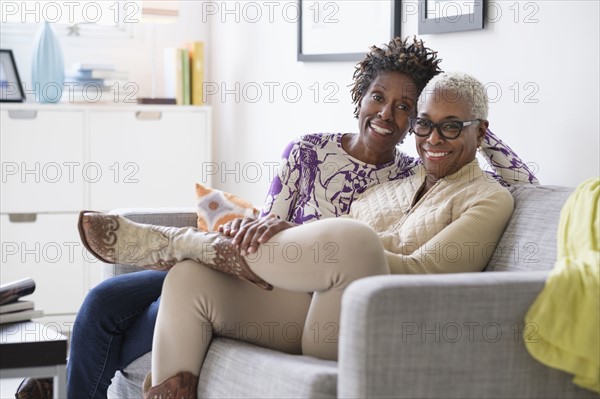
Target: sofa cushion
{"type": "Point", "coordinates": [529, 240]}
{"type": "Point", "coordinates": [234, 369]}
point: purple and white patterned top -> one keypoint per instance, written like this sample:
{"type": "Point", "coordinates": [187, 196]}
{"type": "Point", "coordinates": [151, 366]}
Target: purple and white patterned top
{"type": "Point", "coordinates": [318, 179]}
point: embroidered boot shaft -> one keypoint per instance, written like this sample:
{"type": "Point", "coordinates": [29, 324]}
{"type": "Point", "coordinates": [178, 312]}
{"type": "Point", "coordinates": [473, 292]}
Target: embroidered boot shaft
{"type": "Point", "coordinates": [115, 239]}
{"type": "Point", "coordinates": [181, 386]}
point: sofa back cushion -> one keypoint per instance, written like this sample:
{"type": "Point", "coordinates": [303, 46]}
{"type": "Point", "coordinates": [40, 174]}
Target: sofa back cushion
{"type": "Point", "coordinates": [529, 240]}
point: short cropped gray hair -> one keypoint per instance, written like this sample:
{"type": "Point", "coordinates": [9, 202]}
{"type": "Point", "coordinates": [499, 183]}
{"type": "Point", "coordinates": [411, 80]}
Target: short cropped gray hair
{"type": "Point", "coordinates": [457, 84]}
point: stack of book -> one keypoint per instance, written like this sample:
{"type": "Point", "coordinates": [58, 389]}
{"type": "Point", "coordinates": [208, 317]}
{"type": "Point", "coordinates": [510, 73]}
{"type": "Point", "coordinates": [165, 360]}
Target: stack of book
{"type": "Point", "coordinates": [12, 307]}
{"type": "Point", "coordinates": [94, 83]}
{"type": "Point", "coordinates": [184, 73]}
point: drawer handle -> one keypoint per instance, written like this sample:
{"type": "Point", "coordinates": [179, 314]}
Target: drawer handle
{"type": "Point", "coordinates": [148, 115]}
{"type": "Point", "coordinates": [22, 114]}
{"type": "Point", "coordinates": [22, 217]}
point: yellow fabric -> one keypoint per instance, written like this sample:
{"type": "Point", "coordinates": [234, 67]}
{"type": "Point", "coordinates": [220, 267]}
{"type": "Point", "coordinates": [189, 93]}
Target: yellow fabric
{"type": "Point", "coordinates": [566, 314]}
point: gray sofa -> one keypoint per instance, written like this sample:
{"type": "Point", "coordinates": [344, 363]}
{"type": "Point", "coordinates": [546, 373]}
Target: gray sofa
{"type": "Point", "coordinates": [406, 336]}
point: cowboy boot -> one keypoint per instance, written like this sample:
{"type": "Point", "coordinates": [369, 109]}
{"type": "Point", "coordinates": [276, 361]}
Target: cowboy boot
{"type": "Point", "coordinates": [35, 388]}
{"type": "Point", "coordinates": [115, 239]}
{"type": "Point", "coordinates": [183, 385]}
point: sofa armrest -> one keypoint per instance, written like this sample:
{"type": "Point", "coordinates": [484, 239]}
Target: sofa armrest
{"type": "Point", "coordinates": [444, 336]}
{"type": "Point", "coordinates": [174, 217]}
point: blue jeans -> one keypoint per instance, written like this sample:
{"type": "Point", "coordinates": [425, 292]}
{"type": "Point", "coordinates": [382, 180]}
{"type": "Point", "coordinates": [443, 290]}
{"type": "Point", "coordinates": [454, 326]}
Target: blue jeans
{"type": "Point", "coordinates": [114, 326]}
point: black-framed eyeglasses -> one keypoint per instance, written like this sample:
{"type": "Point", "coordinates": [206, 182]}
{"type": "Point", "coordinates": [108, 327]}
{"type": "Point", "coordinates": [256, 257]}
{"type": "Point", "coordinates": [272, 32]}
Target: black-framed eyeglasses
{"type": "Point", "coordinates": [449, 130]}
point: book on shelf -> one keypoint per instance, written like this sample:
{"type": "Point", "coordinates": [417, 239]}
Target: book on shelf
{"type": "Point", "coordinates": [92, 65]}
{"type": "Point", "coordinates": [21, 316]}
{"type": "Point", "coordinates": [89, 82]}
{"type": "Point", "coordinates": [182, 66]}
{"type": "Point", "coordinates": [170, 72]}
{"type": "Point", "coordinates": [97, 74]}
{"type": "Point", "coordinates": [184, 73]}
{"type": "Point", "coordinates": [12, 308]}
{"type": "Point", "coordinates": [156, 100]}
{"type": "Point", "coordinates": [14, 290]}
{"type": "Point", "coordinates": [16, 306]}
{"type": "Point", "coordinates": [185, 60]}
{"type": "Point", "coordinates": [179, 77]}
{"type": "Point", "coordinates": [197, 71]}
{"type": "Point", "coordinates": [82, 80]}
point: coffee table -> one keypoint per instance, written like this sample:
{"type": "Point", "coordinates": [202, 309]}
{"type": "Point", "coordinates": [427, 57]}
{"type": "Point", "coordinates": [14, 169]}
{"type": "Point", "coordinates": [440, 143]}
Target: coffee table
{"type": "Point", "coordinates": [30, 349]}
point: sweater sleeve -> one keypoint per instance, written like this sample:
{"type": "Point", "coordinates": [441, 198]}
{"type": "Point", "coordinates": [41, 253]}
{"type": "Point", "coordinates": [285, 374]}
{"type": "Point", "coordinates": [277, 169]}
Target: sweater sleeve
{"type": "Point", "coordinates": [465, 245]}
{"type": "Point", "coordinates": [284, 190]}
{"type": "Point", "coordinates": [509, 169]}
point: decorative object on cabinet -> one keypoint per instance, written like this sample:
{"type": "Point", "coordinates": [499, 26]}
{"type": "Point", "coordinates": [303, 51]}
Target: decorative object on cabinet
{"type": "Point", "coordinates": [96, 83]}
{"type": "Point", "coordinates": [11, 89]}
{"type": "Point", "coordinates": [48, 67]}
{"type": "Point", "coordinates": [327, 31]}
{"type": "Point", "coordinates": [436, 16]}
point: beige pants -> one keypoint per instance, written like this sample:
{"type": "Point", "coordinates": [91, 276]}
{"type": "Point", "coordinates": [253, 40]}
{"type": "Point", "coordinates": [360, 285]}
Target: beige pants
{"type": "Point", "coordinates": [323, 257]}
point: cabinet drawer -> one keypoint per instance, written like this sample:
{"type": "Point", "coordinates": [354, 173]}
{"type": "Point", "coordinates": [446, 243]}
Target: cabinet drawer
{"type": "Point", "coordinates": [49, 251]}
{"type": "Point", "coordinates": [152, 158]}
{"type": "Point", "coordinates": [42, 157]}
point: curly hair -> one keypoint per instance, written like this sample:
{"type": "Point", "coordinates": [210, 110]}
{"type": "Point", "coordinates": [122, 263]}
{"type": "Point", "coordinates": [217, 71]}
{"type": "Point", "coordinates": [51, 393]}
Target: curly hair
{"type": "Point", "coordinates": [412, 59]}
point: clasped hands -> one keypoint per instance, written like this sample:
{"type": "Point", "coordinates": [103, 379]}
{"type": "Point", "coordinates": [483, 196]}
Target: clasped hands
{"type": "Point", "coordinates": [249, 233]}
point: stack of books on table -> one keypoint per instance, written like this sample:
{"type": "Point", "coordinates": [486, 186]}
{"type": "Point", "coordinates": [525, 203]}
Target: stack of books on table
{"type": "Point", "coordinates": [12, 307]}
{"type": "Point", "coordinates": [91, 83]}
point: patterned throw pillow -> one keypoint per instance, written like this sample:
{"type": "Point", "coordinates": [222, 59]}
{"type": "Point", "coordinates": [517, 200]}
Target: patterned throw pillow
{"type": "Point", "coordinates": [216, 207]}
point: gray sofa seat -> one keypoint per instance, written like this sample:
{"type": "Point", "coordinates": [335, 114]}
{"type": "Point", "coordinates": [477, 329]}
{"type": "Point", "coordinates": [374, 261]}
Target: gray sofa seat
{"type": "Point", "coordinates": [232, 368]}
{"type": "Point", "coordinates": [407, 336]}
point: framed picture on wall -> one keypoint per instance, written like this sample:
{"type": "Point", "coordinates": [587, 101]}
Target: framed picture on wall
{"type": "Point", "coordinates": [443, 16]}
{"type": "Point", "coordinates": [345, 30]}
{"type": "Point", "coordinates": [11, 89]}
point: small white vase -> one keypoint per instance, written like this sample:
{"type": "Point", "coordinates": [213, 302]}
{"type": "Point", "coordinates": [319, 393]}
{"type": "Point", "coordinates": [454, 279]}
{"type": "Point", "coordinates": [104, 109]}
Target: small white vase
{"type": "Point", "coordinates": [48, 67]}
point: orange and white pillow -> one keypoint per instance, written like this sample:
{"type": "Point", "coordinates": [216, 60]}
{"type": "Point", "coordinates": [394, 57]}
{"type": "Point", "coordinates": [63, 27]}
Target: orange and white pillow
{"type": "Point", "coordinates": [216, 207]}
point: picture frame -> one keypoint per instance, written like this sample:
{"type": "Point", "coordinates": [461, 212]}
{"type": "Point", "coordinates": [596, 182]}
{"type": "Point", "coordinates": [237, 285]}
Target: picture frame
{"type": "Point", "coordinates": [335, 31]}
{"type": "Point", "coordinates": [444, 16]}
{"type": "Point", "coordinates": [11, 88]}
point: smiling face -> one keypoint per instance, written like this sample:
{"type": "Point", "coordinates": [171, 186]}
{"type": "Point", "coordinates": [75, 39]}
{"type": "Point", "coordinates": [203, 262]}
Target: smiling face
{"type": "Point", "coordinates": [443, 157]}
{"type": "Point", "coordinates": [383, 117]}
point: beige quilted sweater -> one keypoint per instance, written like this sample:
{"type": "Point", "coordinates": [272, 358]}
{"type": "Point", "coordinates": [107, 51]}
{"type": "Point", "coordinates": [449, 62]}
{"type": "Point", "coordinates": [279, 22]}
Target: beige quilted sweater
{"type": "Point", "coordinates": [454, 227]}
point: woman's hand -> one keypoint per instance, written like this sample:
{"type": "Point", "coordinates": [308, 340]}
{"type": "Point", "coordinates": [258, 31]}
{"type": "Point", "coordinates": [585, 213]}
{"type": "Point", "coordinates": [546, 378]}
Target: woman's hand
{"type": "Point", "coordinates": [249, 233]}
{"type": "Point", "coordinates": [231, 228]}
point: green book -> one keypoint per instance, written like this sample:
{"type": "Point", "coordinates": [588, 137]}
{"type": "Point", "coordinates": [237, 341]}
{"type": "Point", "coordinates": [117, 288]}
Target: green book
{"type": "Point", "coordinates": [187, 80]}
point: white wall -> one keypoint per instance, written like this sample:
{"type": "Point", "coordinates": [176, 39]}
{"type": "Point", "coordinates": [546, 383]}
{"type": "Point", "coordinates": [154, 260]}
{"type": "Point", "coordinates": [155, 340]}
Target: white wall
{"type": "Point", "coordinates": [552, 64]}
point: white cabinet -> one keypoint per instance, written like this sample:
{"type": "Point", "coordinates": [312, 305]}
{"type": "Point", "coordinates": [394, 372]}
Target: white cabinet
{"type": "Point", "coordinates": [47, 249]}
{"type": "Point", "coordinates": [42, 158]}
{"type": "Point", "coordinates": [147, 158]}
{"type": "Point", "coordinates": [59, 159]}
